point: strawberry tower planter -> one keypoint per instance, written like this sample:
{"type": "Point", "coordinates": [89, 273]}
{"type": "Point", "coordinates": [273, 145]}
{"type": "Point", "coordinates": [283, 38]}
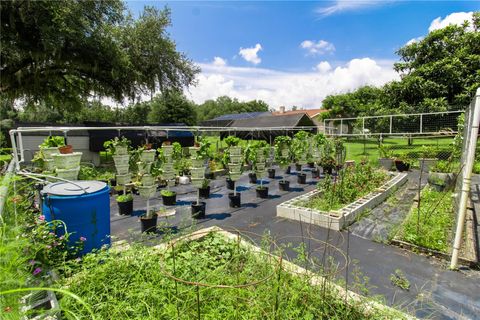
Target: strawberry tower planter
{"type": "Point", "coordinates": [169, 197]}
{"type": "Point", "coordinates": [259, 166]}
{"type": "Point", "coordinates": [199, 158]}
{"type": "Point", "coordinates": [235, 164]}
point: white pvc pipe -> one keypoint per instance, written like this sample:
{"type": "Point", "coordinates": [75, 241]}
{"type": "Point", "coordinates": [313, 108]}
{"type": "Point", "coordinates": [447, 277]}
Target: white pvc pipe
{"type": "Point", "coordinates": [4, 186]}
{"type": "Point", "coordinates": [466, 178]}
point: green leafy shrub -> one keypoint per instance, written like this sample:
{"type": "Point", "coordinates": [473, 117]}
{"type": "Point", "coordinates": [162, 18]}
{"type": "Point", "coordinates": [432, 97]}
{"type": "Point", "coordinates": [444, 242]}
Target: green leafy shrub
{"type": "Point", "coordinates": [53, 141]}
{"type": "Point", "coordinates": [124, 197]}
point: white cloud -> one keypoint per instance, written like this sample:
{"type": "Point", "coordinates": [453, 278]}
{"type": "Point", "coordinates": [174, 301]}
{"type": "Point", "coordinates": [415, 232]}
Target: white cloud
{"type": "Point", "coordinates": [219, 62]}
{"type": "Point", "coordinates": [319, 47]}
{"type": "Point", "coordinates": [457, 18]}
{"type": "Point", "coordinates": [323, 67]}
{"type": "Point", "coordinates": [348, 5]}
{"type": "Point", "coordinates": [414, 40]}
{"type": "Point", "coordinates": [304, 89]}
{"type": "Point", "coordinates": [251, 54]}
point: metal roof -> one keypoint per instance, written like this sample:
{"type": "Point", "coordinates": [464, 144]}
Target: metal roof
{"type": "Point", "coordinates": [244, 115]}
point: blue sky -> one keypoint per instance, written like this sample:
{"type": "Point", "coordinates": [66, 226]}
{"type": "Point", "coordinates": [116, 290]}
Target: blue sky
{"type": "Point", "coordinates": [310, 49]}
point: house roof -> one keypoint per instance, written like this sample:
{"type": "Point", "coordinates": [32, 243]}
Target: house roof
{"type": "Point", "coordinates": [310, 112]}
{"type": "Point", "coordinates": [285, 120]}
{"type": "Point", "coordinates": [244, 115]}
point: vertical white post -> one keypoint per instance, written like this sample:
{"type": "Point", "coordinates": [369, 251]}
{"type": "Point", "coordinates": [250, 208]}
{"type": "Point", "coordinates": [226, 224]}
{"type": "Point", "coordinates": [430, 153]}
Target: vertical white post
{"type": "Point", "coordinates": [15, 151]}
{"type": "Point", "coordinates": [391, 124]}
{"type": "Point", "coordinates": [20, 145]}
{"type": "Point", "coordinates": [363, 125]}
{"type": "Point", "coordinates": [470, 146]}
{"type": "Point", "coordinates": [421, 123]}
{"type": "Point", "coordinates": [341, 126]}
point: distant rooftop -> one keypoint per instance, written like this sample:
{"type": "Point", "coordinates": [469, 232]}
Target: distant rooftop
{"type": "Point", "coordinates": [239, 116]}
{"type": "Point", "coordinates": [310, 112]}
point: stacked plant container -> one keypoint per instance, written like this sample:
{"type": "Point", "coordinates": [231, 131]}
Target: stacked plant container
{"type": "Point", "coordinates": [197, 171]}
{"type": "Point", "coordinates": [260, 165]}
{"type": "Point", "coordinates": [147, 189]}
{"type": "Point", "coordinates": [235, 171]}
{"type": "Point", "coordinates": [67, 165]}
{"type": "Point", "coordinates": [169, 197]}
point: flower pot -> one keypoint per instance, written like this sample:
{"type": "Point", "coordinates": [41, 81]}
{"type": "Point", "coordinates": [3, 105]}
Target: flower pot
{"type": "Point", "coordinates": [49, 152]}
{"type": "Point", "coordinates": [386, 163]}
{"type": "Point", "coordinates": [198, 163]}
{"type": "Point", "coordinates": [302, 178]}
{"type": "Point", "coordinates": [125, 208]}
{"type": "Point", "coordinates": [235, 167]}
{"type": "Point", "coordinates": [209, 175]}
{"type": "Point", "coordinates": [67, 161]}
{"type": "Point", "coordinates": [148, 180]}
{"type": "Point", "coordinates": [147, 156]}
{"type": "Point", "coordinates": [123, 179]}
{"type": "Point", "coordinates": [315, 173]}
{"type": "Point", "coordinates": [288, 170]}
{"type": "Point", "coordinates": [169, 200]}
{"type": "Point", "coordinates": [236, 151]}
{"type": "Point", "coordinates": [198, 210]}
{"type": "Point", "coordinates": [121, 160]}
{"type": "Point", "coordinates": [121, 150]}
{"type": "Point", "coordinates": [284, 185]}
{"type": "Point", "coordinates": [235, 175]}
{"type": "Point", "coordinates": [271, 173]}
{"type": "Point", "coordinates": [49, 164]}
{"type": "Point", "coordinates": [311, 165]}
{"type": "Point", "coordinates": [149, 224]}
{"type": "Point", "coordinates": [113, 182]}
{"type": "Point", "coordinates": [66, 149]}
{"type": "Point", "coordinates": [298, 167]}
{"type": "Point", "coordinates": [122, 169]}
{"type": "Point", "coordinates": [230, 184]}
{"type": "Point", "coordinates": [402, 166]}
{"type": "Point", "coordinates": [204, 192]}
{"type": "Point", "coordinates": [147, 192]}
{"type": "Point", "coordinates": [144, 167]}
{"type": "Point", "coordinates": [328, 170]}
{"type": "Point", "coordinates": [426, 164]}
{"type": "Point", "coordinates": [234, 200]}
{"type": "Point", "coordinates": [262, 192]}
{"type": "Point", "coordinates": [252, 178]}
{"type": "Point", "coordinates": [68, 174]}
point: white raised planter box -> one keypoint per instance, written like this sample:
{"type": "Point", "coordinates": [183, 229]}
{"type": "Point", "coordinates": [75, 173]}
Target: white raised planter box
{"type": "Point", "coordinates": [342, 217]}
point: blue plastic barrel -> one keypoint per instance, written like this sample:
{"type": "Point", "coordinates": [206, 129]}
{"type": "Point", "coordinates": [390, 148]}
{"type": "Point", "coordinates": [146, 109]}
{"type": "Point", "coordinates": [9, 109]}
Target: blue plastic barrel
{"type": "Point", "coordinates": [84, 207]}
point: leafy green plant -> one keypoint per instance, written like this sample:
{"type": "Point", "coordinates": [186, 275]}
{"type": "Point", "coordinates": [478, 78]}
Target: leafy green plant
{"type": "Point", "coordinates": [428, 152]}
{"type": "Point", "coordinates": [232, 141]}
{"type": "Point", "coordinates": [398, 279]}
{"type": "Point", "coordinates": [124, 197]}
{"type": "Point", "coordinates": [282, 150]}
{"type": "Point", "coordinates": [443, 166]}
{"type": "Point", "coordinates": [300, 145]}
{"type": "Point", "coordinates": [167, 193]}
{"type": "Point", "coordinates": [386, 151]}
{"type": "Point", "coordinates": [110, 145]}
{"type": "Point", "coordinates": [53, 141]}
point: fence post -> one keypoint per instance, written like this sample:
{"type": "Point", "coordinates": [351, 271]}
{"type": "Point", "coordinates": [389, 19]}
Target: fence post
{"type": "Point", "coordinates": [391, 122]}
{"type": "Point", "coordinates": [341, 126]}
{"type": "Point", "coordinates": [465, 183]}
{"type": "Point", "coordinates": [421, 123]}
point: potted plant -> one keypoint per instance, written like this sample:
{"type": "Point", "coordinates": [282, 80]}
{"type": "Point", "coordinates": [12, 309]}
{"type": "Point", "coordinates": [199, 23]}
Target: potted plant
{"type": "Point", "coordinates": [428, 158]}
{"type": "Point", "coordinates": [146, 155]}
{"type": "Point", "coordinates": [283, 158]}
{"type": "Point", "coordinates": [169, 197]}
{"type": "Point", "coordinates": [441, 175]}
{"type": "Point", "coordinates": [437, 182]}
{"type": "Point", "coordinates": [117, 146]}
{"type": "Point", "coordinates": [386, 157]}
{"type": "Point", "coordinates": [300, 148]}
{"type": "Point", "coordinates": [148, 221]}
{"type": "Point", "coordinates": [259, 164]}
{"type": "Point", "coordinates": [204, 191]}
{"type": "Point", "coordinates": [199, 158]}
{"type": "Point", "coordinates": [235, 162]}
{"type": "Point", "coordinates": [125, 204]}
{"type": "Point", "coordinates": [328, 163]}
{"type": "Point", "coordinates": [50, 146]}
{"type": "Point", "coordinates": [402, 163]}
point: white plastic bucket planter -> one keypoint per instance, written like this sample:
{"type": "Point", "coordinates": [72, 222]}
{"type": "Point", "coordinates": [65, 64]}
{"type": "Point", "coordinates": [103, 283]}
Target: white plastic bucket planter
{"type": "Point", "coordinates": [49, 152]}
{"type": "Point", "coordinates": [193, 151]}
{"type": "Point", "coordinates": [285, 153]}
{"type": "Point", "coordinates": [147, 192]}
{"type": "Point", "coordinates": [198, 173]}
{"type": "Point", "coordinates": [197, 183]}
{"type": "Point", "coordinates": [144, 168]}
{"type": "Point", "coordinates": [121, 160]}
{"type": "Point", "coordinates": [68, 174]}
{"type": "Point", "coordinates": [260, 167]}
{"type": "Point", "coordinates": [123, 179]}
{"type": "Point", "coordinates": [121, 150]}
{"type": "Point", "coordinates": [235, 158]}
{"type": "Point", "coordinates": [148, 180]}
{"type": "Point", "coordinates": [198, 163]}
{"type": "Point", "coordinates": [235, 167]}
{"type": "Point", "coordinates": [235, 151]}
{"type": "Point", "coordinates": [235, 175]}
{"type": "Point", "coordinates": [50, 175]}
{"type": "Point", "coordinates": [49, 164]}
{"type": "Point", "coordinates": [147, 156]}
{"type": "Point", "coordinates": [122, 169]}
{"type": "Point", "coordinates": [167, 150]}
{"type": "Point", "coordinates": [67, 161]}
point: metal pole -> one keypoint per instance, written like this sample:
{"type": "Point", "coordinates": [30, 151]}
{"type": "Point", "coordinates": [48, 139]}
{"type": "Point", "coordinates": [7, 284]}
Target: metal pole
{"type": "Point", "coordinates": [20, 145]}
{"type": "Point", "coordinates": [421, 123]}
{"type": "Point", "coordinates": [467, 173]}
{"type": "Point", "coordinates": [391, 124]}
{"type": "Point", "coordinates": [15, 151]}
{"type": "Point", "coordinates": [341, 126]}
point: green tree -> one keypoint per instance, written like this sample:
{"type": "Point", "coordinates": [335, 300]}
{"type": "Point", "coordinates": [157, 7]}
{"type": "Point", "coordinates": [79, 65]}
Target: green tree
{"type": "Point", "coordinates": [225, 105]}
{"type": "Point", "coordinates": [172, 107]}
{"type": "Point", "coordinates": [66, 50]}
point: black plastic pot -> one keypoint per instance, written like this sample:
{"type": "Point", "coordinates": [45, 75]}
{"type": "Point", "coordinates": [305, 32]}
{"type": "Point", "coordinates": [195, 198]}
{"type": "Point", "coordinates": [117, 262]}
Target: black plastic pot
{"type": "Point", "coordinates": [402, 166]}
{"type": "Point", "coordinates": [271, 173]}
{"type": "Point", "coordinates": [113, 182]}
{"type": "Point", "coordinates": [298, 167]}
{"type": "Point", "coordinates": [234, 200]}
{"type": "Point", "coordinates": [252, 177]}
{"type": "Point", "coordinates": [125, 208]}
{"type": "Point", "coordinates": [198, 210]}
{"type": "Point", "coordinates": [328, 170]}
{"type": "Point", "coordinates": [204, 192]}
{"type": "Point", "coordinates": [288, 170]}
{"type": "Point", "coordinates": [169, 200]}
{"type": "Point", "coordinates": [209, 175]}
{"type": "Point", "coordinates": [315, 173]}
{"type": "Point", "coordinates": [262, 192]}
{"type": "Point", "coordinates": [311, 164]}
{"type": "Point", "coordinates": [302, 178]}
{"type": "Point", "coordinates": [149, 225]}
{"type": "Point", "coordinates": [230, 184]}
{"type": "Point", "coordinates": [284, 185]}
